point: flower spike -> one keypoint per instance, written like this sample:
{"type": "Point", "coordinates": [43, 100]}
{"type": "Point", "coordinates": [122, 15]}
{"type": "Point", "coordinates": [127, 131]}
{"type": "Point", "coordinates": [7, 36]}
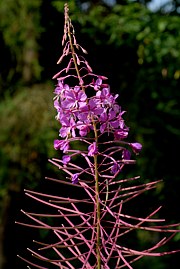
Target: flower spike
{"type": "Point", "coordinates": [91, 223]}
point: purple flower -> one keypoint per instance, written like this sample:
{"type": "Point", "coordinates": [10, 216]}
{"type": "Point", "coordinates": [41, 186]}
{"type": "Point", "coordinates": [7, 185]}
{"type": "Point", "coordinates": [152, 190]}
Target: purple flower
{"type": "Point", "coordinates": [120, 134]}
{"type": "Point", "coordinates": [126, 154]}
{"type": "Point", "coordinates": [75, 178]}
{"type": "Point", "coordinates": [68, 127]}
{"type": "Point", "coordinates": [136, 147]}
{"type": "Point", "coordinates": [56, 104]}
{"type": "Point", "coordinates": [61, 88]}
{"type": "Point", "coordinates": [109, 121]}
{"type": "Point", "coordinates": [84, 127]}
{"type": "Point", "coordinates": [66, 159]}
{"type": "Point", "coordinates": [92, 149]}
{"type": "Point", "coordinates": [106, 97]}
{"type": "Point", "coordinates": [74, 98]}
{"type": "Point", "coordinates": [61, 144]}
{"type": "Point", "coordinates": [59, 110]}
{"type": "Point", "coordinates": [115, 168]}
{"type": "Point", "coordinates": [91, 108]}
{"type": "Point", "coordinates": [97, 84]}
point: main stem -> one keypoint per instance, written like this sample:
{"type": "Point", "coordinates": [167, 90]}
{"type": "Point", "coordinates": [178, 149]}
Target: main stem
{"type": "Point", "coordinates": [98, 209]}
{"type": "Point", "coordinates": [98, 215]}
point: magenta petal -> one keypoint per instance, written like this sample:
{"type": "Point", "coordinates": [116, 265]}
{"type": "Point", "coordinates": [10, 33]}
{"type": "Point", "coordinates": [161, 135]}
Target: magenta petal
{"type": "Point", "coordinates": [66, 159]}
{"type": "Point", "coordinates": [136, 147]}
{"type": "Point", "coordinates": [120, 134]}
{"type": "Point", "coordinates": [61, 144]}
{"type": "Point", "coordinates": [92, 149]}
{"type": "Point", "coordinates": [126, 154]}
{"type": "Point", "coordinates": [75, 178]}
{"type": "Point", "coordinates": [57, 144]}
{"type": "Point", "coordinates": [115, 168]}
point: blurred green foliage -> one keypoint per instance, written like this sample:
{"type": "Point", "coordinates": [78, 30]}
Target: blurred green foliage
{"type": "Point", "coordinates": [26, 138]}
{"type": "Point", "coordinates": [137, 49]}
{"type": "Point", "coordinates": [20, 29]}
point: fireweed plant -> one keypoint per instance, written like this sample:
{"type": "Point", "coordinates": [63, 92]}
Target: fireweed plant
{"type": "Point", "coordinates": [91, 227]}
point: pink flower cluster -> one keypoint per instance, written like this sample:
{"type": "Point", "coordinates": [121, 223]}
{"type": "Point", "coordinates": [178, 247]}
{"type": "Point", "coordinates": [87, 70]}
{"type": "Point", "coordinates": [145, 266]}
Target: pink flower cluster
{"type": "Point", "coordinates": [77, 113]}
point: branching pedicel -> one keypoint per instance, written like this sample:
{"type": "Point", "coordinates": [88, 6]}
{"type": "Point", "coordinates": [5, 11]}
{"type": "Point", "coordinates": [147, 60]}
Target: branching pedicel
{"type": "Point", "coordinates": [91, 228]}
